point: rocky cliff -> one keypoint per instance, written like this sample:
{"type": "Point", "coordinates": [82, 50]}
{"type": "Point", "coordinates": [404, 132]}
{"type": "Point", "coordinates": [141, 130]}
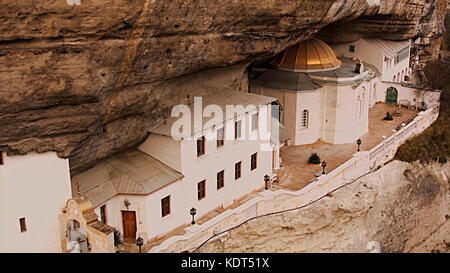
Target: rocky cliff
{"type": "Point", "coordinates": [86, 80]}
{"type": "Point", "coordinates": [400, 208]}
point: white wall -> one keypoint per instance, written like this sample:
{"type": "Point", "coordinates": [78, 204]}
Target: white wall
{"type": "Point", "coordinates": [370, 54]}
{"type": "Point", "coordinates": [398, 69]}
{"type": "Point", "coordinates": [376, 92]}
{"type": "Point", "coordinates": [363, 51]}
{"type": "Point", "coordinates": [414, 95]}
{"type": "Point", "coordinates": [149, 220]}
{"type": "Point", "coordinates": [184, 193]}
{"type": "Point", "coordinates": [215, 160]}
{"type": "Point", "coordinates": [328, 105]}
{"type": "Point", "coordinates": [349, 124]}
{"type": "Point", "coordinates": [311, 101]}
{"type": "Point", "coordinates": [283, 98]}
{"type": "Point", "coordinates": [37, 187]}
{"type": "Point", "coordinates": [268, 202]}
{"type": "Point", "coordinates": [332, 112]}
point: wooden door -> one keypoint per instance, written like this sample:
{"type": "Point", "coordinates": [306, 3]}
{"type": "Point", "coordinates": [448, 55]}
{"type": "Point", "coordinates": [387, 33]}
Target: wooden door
{"type": "Point", "coordinates": [129, 226]}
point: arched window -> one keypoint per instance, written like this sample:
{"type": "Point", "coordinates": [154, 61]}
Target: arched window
{"type": "Point", "coordinates": [374, 94]}
{"type": "Point", "coordinates": [360, 110]}
{"type": "Point", "coordinates": [305, 119]}
{"type": "Point", "coordinates": [395, 79]}
{"type": "Point", "coordinates": [360, 103]}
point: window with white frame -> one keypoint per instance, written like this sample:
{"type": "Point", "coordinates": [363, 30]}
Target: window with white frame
{"type": "Point", "coordinates": [165, 206]}
{"type": "Point", "coordinates": [220, 179]}
{"type": "Point", "coordinates": [220, 137]}
{"type": "Point", "coordinates": [200, 146]}
{"type": "Point", "coordinates": [238, 129]}
{"type": "Point", "coordinates": [23, 225]}
{"type": "Point", "coordinates": [255, 121]}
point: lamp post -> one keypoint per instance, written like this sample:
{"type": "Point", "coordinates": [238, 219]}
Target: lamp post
{"type": "Point", "coordinates": [266, 180]}
{"type": "Point", "coordinates": [139, 243]}
{"type": "Point", "coordinates": [359, 144]}
{"type": "Point", "coordinates": [193, 212]}
{"type": "Point", "coordinates": [126, 203]}
{"type": "Point", "coordinates": [324, 164]}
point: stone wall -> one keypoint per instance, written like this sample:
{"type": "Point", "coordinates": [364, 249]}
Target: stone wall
{"type": "Point", "coordinates": [413, 94]}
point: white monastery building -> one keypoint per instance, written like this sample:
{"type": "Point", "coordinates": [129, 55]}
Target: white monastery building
{"type": "Point", "coordinates": [326, 98]}
{"type": "Point", "coordinates": [34, 188]}
{"type": "Point", "coordinates": [149, 191]}
{"type": "Point", "coordinates": [391, 58]}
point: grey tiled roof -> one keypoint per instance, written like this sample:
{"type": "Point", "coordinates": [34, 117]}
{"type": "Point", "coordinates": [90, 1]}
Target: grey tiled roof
{"type": "Point", "coordinates": [389, 48]}
{"type": "Point", "coordinates": [286, 80]}
{"type": "Point", "coordinates": [300, 81]}
{"type": "Point", "coordinates": [132, 172]}
{"type": "Point", "coordinates": [347, 70]}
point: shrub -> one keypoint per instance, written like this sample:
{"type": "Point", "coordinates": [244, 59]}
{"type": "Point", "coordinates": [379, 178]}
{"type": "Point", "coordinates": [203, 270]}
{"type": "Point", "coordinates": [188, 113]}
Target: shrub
{"type": "Point", "coordinates": [117, 237]}
{"type": "Point", "coordinates": [388, 116]}
{"type": "Point", "coordinates": [314, 159]}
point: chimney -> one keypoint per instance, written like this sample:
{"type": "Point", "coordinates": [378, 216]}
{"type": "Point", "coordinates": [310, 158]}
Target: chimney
{"type": "Point", "coordinates": [359, 67]}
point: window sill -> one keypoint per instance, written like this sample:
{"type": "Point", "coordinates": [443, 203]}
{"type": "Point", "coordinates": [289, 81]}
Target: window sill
{"type": "Point", "coordinates": [200, 158]}
{"type": "Point", "coordinates": [164, 218]}
{"type": "Point", "coordinates": [218, 149]}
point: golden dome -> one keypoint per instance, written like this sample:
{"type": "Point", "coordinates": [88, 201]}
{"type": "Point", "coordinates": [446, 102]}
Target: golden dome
{"type": "Point", "coordinates": [308, 56]}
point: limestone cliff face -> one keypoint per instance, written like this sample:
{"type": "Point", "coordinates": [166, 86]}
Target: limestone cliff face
{"type": "Point", "coordinates": [401, 208]}
{"type": "Point", "coordinates": [86, 80]}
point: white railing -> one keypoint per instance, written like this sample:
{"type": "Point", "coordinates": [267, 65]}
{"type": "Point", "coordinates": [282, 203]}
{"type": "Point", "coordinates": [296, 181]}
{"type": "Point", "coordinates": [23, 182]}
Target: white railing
{"type": "Point", "coordinates": [267, 202]}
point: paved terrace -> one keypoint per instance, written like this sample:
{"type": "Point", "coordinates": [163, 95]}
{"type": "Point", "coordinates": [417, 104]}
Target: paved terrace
{"type": "Point", "coordinates": [297, 173]}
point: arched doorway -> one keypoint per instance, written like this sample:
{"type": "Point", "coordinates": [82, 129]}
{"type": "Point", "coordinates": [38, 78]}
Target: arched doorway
{"type": "Point", "coordinates": [391, 95]}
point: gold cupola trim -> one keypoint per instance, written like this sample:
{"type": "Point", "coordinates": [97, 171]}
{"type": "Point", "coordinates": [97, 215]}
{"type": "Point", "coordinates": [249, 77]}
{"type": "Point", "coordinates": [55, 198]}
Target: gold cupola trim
{"type": "Point", "coordinates": [307, 56]}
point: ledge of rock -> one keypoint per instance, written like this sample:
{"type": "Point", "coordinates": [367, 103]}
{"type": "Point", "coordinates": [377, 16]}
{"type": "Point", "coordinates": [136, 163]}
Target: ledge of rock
{"type": "Point", "coordinates": [86, 80]}
{"type": "Point", "coordinates": [401, 207]}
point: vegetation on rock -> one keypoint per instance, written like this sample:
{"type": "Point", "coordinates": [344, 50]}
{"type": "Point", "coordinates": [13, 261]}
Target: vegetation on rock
{"type": "Point", "coordinates": [433, 144]}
